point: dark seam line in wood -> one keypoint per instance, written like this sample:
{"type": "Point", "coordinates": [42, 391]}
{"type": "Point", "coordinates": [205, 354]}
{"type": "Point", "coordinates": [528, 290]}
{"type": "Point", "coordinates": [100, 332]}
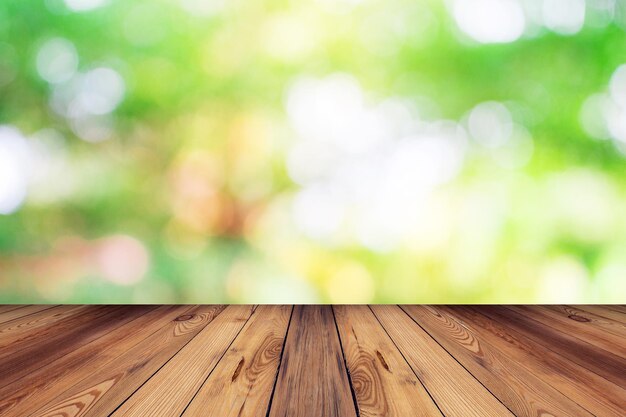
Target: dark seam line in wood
{"type": "Point", "coordinates": [457, 361]}
{"type": "Point", "coordinates": [345, 364]}
{"type": "Point", "coordinates": [219, 360]}
{"type": "Point", "coordinates": [280, 362]}
{"type": "Point", "coordinates": [29, 314]}
{"type": "Point", "coordinates": [164, 363]}
{"type": "Point", "coordinates": [407, 362]}
{"type": "Point", "coordinates": [16, 307]}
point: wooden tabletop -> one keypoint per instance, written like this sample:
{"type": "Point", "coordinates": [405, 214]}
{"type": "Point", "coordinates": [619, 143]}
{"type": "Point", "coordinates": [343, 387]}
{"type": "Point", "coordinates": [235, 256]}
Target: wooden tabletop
{"type": "Point", "coordinates": [319, 361]}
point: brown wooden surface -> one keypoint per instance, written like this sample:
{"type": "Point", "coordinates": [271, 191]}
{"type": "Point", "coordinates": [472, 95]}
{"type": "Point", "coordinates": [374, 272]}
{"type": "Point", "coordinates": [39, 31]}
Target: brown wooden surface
{"type": "Point", "coordinates": [53, 342]}
{"type": "Point", "coordinates": [588, 389]}
{"type": "Point", "coordinates": [8, 307]}
{"type": "Point", "coordinates": [562, 341]}
{"type": "Point", "coordinates": [603, 312]}
{"type": "Point", "coordinates": [41, 387]}
{"type": "Point", "coordinates": [384, 383]}
{"type": "Point", "coordinates": [10, 312]}
{"type": "Point", "coordinates": [170, 390]}
{"type": "Point", "coordinates": [313, 361]}
{"type": "Point", "coordinates": [312, 380]}
{"type": "Point", "coordinates": [454, 388]}
{"type": "Point", "coordinates": [523, 393]}
{"type": "Point", "coordinates": [25, 327]}
{"type": "Point", "coordinates": [101, 393]}
{"type": "Point", "coordinates": [241, 384]}
{"type": "Point", "coordinates": [581, 329]}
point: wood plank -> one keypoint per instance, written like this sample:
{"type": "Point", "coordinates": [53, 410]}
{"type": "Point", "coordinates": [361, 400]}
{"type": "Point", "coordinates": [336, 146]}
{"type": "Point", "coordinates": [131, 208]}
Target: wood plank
{"type": "Point", "coordinates": [454, 389]}
{"type": "Point", "coordinates": [13, 314]}
{"type": "Point", "coordinates": [312, 379]}
{"type": "Point", "coordinates": [172, 388]}
{"type": "Point", "coordinates": [26, 327]}
{"type": "Point", "coordinates": [594, 393]}
{"type": "Point", "coordinates": [53, 342]}
{"type": "Point", "coordinates": [602, 311]}
{"type": "Point", "coordinates": [452, 361]}
{"type": "Point", "coordinates": [39, 388]}
{"type": "Point", "coordinates": [383, 382]}
{"type": "Point", "coordinates": [603, 363]}
{"type": "Point", "coordinates": [517, 388]}
{"type": "Point", "coordinates": [101, 393]}
{"type": "Point", "coordinates": [579, 329]}
{"type": "Point", "coordinates": [241, 384]}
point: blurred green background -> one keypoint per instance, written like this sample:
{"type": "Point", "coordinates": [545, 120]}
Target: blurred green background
{"type": "Point", "coordinates": [183, 151]}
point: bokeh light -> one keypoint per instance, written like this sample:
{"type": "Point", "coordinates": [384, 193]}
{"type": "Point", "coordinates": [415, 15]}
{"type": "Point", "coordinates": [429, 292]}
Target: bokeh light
{"type": "Point", "coordinates": [14, 162]}
{"type": "Point", "coordinates": [490, 21]}
{"type": "Point", "coordinates": [345, 151]}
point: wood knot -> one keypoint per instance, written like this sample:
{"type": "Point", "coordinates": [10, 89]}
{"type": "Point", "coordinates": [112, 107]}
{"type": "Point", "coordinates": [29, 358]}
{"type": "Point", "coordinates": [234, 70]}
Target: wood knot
{"type": "Point", "coordinates": [382, 360]}
{"type": "Point", "coordinates": [578, 318]}
{"type": "Point", "coordinates": [238, 370]}
{"type": "Point", "coordinates": [185, 317]}
{"type": "Point", "coordinates": [137, 366]}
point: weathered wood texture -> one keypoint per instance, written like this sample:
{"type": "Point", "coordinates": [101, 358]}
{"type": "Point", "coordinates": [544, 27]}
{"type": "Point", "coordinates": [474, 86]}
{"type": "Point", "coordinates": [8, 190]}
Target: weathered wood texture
{"type": "Point", "coordinates": [347, 361]}
{"type": "Point", "coordinates": [312, 380]}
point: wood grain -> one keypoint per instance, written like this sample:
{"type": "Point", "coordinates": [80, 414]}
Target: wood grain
{"type": "Point", "coordinates": [383, 382]}
{"type": "Point", "coordinates": [454, 389]}
{"type": "Point", "coordinates": [348, 361]}
{"type": "Point", "coordinates": [587, 319]}
{"type": "Point", "coordinates": [591, 391]}
{"type": "Point", "coordinates": [26, 327]}
{"type": "Point", "coordinates": [603, 363]}
{"type": "Point", "coordinates": [241, 384]}
{"type": "Point", "coordinates": [101, 393]}
{"type": "Point", "coordinates": [170, 390]}
{"type": "Point", "coordinates": [15, 313]}
{"type": "Point", "coordinates": [579, 327]}
{"type": "Point", "coordinates": [25, 356]}
{"type": "Point", "coordinates": [312, 354]}
{"type": "Point", "coordinates": [603, 312]}
{"type": "Point", "coordinates": [521, 391]}
{"type": "Point", "coordinates": [38, 389]}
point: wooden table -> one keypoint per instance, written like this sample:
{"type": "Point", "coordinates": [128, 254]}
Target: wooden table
{"type": "Point", "coordinates": [318, 361]}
